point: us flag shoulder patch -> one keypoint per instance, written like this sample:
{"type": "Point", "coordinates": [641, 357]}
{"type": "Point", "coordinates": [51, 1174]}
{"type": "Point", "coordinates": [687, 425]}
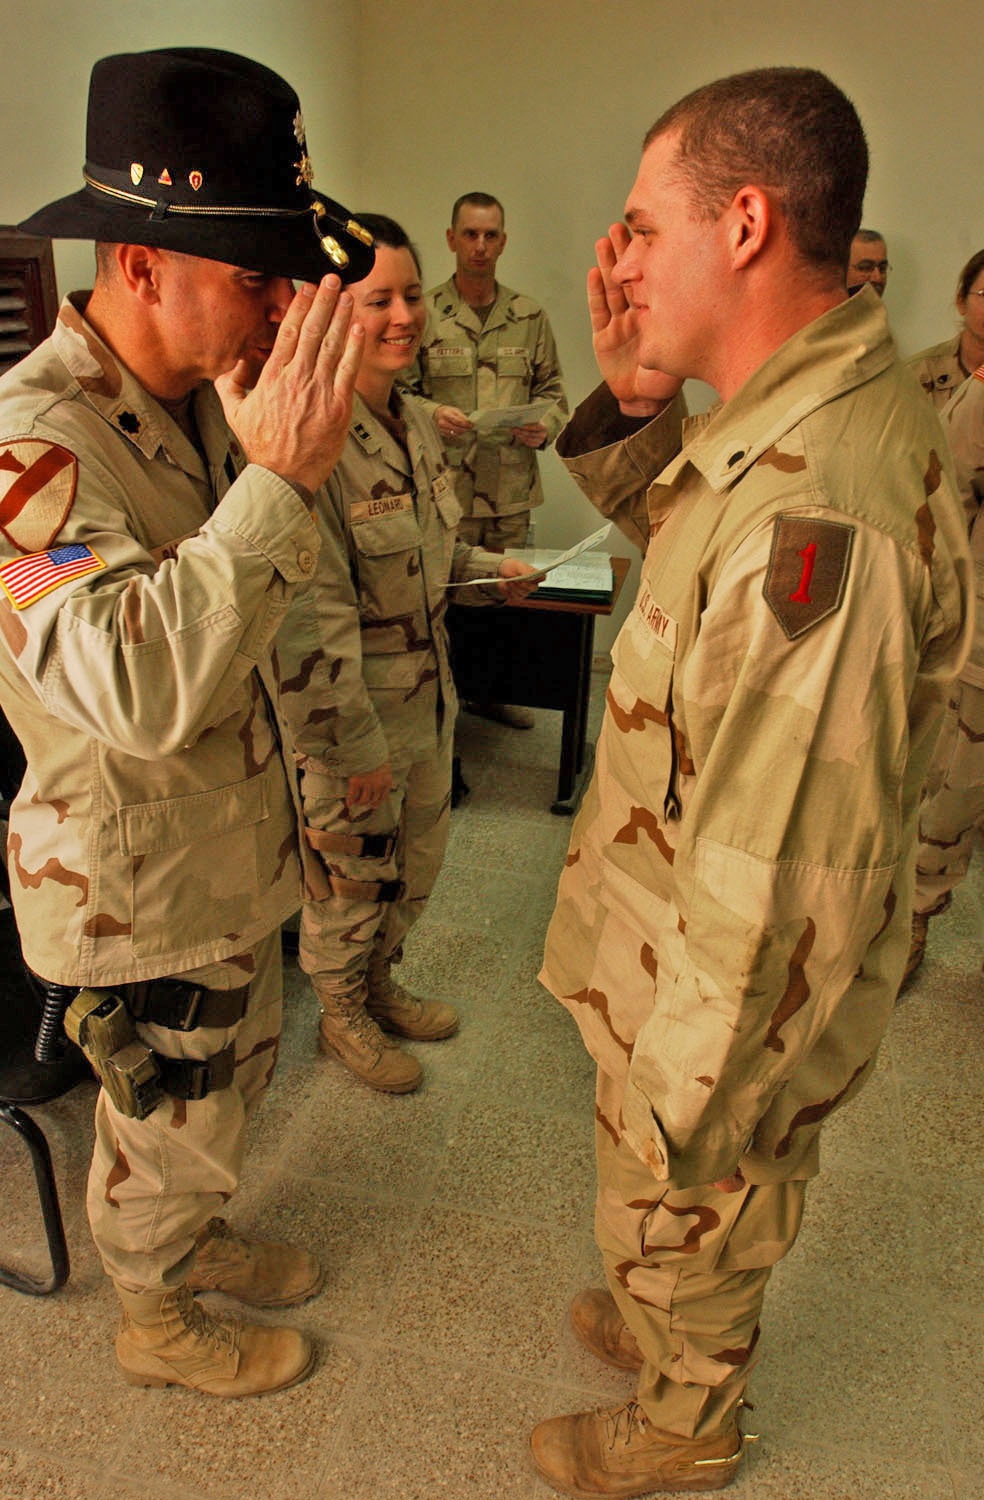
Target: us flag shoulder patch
{"type": "Point", "coordinates": [26, 579]}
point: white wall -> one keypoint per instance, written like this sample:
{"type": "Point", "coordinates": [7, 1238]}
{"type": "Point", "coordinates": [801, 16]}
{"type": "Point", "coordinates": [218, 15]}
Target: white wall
{"type": "Point", "coordinates": [544, 103]}
{"type": "Point", "coordinates": [46, 81]}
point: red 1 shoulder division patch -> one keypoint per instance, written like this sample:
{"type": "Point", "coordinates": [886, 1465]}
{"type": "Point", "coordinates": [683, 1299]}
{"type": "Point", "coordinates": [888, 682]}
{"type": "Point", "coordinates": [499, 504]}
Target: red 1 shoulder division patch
{"type": "Point", "coordinates": [808, 570]}
{"type": "Point", "coordinates": [37, 488]}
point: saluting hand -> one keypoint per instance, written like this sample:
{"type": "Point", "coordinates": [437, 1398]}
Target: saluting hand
{"type": "Point", "coordinates": [295, 419]}
{"type": "Point", "coordinates": [615, 333]}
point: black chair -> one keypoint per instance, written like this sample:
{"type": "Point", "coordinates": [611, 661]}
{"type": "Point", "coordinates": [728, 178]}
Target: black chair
{"type": "Point", "coordinates": [23, 1079]}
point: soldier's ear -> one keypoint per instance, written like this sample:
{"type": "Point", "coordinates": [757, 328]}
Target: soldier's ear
{"type": "Point", "coordinates": [139, 266]}
{"type": "Point", "coordinates": [449, 236]}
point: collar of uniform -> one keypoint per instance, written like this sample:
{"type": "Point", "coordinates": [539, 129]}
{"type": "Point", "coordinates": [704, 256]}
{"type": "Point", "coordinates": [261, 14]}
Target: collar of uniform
{"type": "Point", "coordinates": [105, 381]}
{"type": "Point", "coordinates": [449, 302]}
{"type": "Point", "coordinates": [370, 433]}
{"type": "Point", "coordinates": [838, 351]}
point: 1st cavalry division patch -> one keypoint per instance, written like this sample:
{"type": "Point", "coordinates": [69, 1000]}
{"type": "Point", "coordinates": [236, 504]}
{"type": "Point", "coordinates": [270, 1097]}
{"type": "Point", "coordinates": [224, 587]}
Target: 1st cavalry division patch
{"type": "Point", "coordinates": [808, 569]}
{"type": "Point", "coordinates": [37, 488]}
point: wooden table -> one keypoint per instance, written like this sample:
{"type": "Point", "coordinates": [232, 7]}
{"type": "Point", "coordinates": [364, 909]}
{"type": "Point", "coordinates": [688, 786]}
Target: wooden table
{"type": "Point", "coordinates": [536, 653]}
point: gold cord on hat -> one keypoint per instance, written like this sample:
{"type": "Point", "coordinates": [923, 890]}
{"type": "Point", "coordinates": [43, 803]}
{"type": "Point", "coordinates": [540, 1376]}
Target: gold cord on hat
{"type": "Point", "coordinates": [161, 208]}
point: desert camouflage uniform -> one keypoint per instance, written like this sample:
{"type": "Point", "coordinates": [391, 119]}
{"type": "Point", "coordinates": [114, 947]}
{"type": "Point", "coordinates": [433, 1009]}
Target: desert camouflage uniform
{"type": "Point", "coordinates": [732, 920]}
{"type": "Point", "coordinates": [367, 680]}
{"type": "Point", "coordinates": [509, 360]}
{"type": "Point", "coordinates": [939, 370]}
{"type": "Point", "coordinates": [156, 830]}
{"type": "Point", "coordinates": [952, 812]}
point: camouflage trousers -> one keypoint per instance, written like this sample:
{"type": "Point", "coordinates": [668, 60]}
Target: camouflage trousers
{"type": "Point", "coordinates": [154, 1183]}
{"type": "Point", "coordinates": [339, 933]}
{"type": "Point", "coordinates": [952, 812]}
{"type": "Point", "coordinates": [688, 1269]}
{"type": "Point", "coordinates": [496, 533]}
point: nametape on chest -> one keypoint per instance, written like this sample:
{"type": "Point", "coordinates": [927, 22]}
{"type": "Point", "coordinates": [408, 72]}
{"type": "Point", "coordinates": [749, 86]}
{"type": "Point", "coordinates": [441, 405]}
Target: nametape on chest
{"type": "Point", "coordinates": [27, 579]}
{"type": "Point", "coordinates": [650, 625]}
{"type": "Point", "coordinates": [381, 506]}
{"type": "Point", "coordinates": [37, 488]}
{"type": "Point", "coordinates": [808, 571]}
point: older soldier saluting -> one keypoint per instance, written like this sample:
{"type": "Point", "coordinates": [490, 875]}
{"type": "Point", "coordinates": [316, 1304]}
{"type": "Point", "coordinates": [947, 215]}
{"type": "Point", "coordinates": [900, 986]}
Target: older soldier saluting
{"type": "Point", "coordinates": [158, 463]}
{"type": "Point", "coordinates": [732, 919]}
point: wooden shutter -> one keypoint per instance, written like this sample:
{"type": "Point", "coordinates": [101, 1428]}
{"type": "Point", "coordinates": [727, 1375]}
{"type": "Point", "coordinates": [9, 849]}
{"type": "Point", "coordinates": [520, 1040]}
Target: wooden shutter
{"type": "Point", "coordinates": [28, 295]}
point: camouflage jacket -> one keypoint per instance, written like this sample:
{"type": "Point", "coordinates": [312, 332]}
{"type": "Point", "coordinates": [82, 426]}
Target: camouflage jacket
{"type": "Point", "coordinates": [963, 418]}
{"type": "Point", "coordinates": [365, 650]}
{"type": "Point", "coordinates": [156, 829]}
{"type": "Point", "coordinates": [733, 916]}
{"type": "Point", "coordinates": [939, 371]}
{"type": "Point", "coordinates": [509, 360]}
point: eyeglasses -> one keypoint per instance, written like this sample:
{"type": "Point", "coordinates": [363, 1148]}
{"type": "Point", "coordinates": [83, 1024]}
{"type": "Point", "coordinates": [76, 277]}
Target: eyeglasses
{"type": "Point", "coordinates": [869, 267]}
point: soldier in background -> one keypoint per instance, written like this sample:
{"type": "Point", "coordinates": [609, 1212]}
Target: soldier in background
{"type": "Point", "coordinates": [368, 689]}
{"type": "Point", "coordinates": [951, 816]}
{"type": "Point", "coordinates": [159, 455]}
{"type": "Point", "coordinates": [944, 367]}
{"type": "Point", "coordinates": [489, 347]}
{"type": "Point", "coordinates": [732, 917]}
{"type": "Point", "coordinates": [867, 264]}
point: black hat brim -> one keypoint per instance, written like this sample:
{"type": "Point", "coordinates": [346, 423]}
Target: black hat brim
{"type": "Point", "coordinates": [278, 246]}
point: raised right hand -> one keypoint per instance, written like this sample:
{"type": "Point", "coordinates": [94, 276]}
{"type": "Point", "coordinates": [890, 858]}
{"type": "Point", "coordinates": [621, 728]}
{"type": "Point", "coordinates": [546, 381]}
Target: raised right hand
{"type": "Point", "coordinates": [295, 419]}
{"type": "Point", "coordinates": [615, 334]}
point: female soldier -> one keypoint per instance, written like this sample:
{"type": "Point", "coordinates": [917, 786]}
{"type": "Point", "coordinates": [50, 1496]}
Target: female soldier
{"type": "Point", "coordinates": [941, 369]}
{"type": "Point", "coordinates": [368, 688]}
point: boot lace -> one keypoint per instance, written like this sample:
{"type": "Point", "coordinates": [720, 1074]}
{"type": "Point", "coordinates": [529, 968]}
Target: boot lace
{"type": "Point", "coordinates": [204, 1325]}
{"type": "Point", "coordinates": [364, 1027]}
{"type": "Point", "coordinates": [623, 1424]}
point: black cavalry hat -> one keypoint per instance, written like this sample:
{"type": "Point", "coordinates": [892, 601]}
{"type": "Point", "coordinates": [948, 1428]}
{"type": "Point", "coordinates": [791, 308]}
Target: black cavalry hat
{"type": "Point", "coordinates": [192, 149]}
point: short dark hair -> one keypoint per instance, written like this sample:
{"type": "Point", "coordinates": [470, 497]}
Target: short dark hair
{"type": "Point", "coordinates": [969, 275]}
{"type": "Point", "coordinates": [790, 130]}
{"type": "Point", "coordinates": [869, 236]}
{"type": "Point", "coordinates": [386, 231]}
{"type": "Point", "coordinates": [479, 200]}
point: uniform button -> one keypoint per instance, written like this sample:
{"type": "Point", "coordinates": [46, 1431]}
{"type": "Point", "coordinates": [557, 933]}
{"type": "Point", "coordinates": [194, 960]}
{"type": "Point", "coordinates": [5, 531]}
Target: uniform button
{"type": "Point", "coordinates": [305, 561]}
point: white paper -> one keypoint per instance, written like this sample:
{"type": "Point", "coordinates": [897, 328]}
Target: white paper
{"type": "Point", "coordinates": [492, 418]}
{"type": "Point", "coordinates": [594, 540]}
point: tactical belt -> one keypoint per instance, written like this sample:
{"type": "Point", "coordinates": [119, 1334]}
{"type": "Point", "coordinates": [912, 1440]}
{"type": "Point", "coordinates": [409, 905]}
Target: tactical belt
{"type": "Point", "coordinates": [366, 845]}
{"type": "Point", "coordinates": [185, 1079]}
{"type": "Point", "coordinates": [180, 1006]}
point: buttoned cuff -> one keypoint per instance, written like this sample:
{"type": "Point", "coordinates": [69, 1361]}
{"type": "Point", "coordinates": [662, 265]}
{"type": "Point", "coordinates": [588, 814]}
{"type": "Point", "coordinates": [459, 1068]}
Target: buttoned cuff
{"type": "Point", "coordinates": [272, 516]}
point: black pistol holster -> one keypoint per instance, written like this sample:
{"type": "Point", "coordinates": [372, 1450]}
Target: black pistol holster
{"type": "Point", "coordinates": [135, 1077]}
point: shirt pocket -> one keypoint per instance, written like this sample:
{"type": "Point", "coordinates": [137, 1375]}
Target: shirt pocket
{"type": "Point", "coordinates": [194, 864]}
{"type": "Point", "coordinates": [640, 705]}
{"type": "Point", "coordinates": [390, 579]}
{"type": "Point", "coordinates": [446, 501]}
{"type": "Point", "coordinates": [513, 363]}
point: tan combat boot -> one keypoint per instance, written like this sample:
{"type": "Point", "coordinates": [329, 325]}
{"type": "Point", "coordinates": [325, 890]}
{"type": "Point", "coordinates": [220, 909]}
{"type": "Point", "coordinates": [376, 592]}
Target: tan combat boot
{"type": "Point", "coordinates": [616, 1451]}
{"type": "Point", "coordinates": [167, 1338]}
{"type": "Point", "coordinates": [350, 1034]}
{"type": "Point", "coordinates": [601, 1328]}
{"type": "Point", "coordinates": [260, 1272]}
{"type": "Point", "coordinates": [917, 947]}
{"type": "Point", "coordinates": [396, 1010]}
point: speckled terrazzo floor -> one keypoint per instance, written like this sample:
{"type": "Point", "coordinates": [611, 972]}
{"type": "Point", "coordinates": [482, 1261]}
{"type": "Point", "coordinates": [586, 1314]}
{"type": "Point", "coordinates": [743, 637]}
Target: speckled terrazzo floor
{"type": "Point", "coordinates": [455, 1224]}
